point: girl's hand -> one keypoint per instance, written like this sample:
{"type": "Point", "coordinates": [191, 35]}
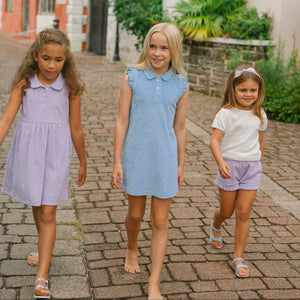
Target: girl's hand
{"type": "Point", "coordinates": [81, 176]}
{"type": "Point", "coordinates": [117, 175]}
{"type": "Point", "coordinates": [224, 170]}
{"type": "Point", "coordinates": [180, 176]}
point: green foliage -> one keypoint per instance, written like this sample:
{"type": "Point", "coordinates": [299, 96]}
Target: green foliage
{"type": "Point", "coordinates": [138, 16]}
{"type": "Point", "coordinates": [200, 19]}
{"type": "Point", "coordinates": [282, 100]}
{"type": "Point", "coordinates": [247, 25]}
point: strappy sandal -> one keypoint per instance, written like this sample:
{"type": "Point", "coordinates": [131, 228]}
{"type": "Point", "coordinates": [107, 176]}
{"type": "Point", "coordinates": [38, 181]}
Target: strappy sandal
{"type": "Point", "coordinates": [36, 256]}
{"type": "Point", "coordinates": [44, 288]}
{"type": "Point", "coordinates": [212, 238]}
{"type": "Point", "coordinates": [237, 267]}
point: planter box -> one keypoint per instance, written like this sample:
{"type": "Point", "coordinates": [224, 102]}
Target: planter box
{"type": "Point", "coordinates": [206, 61]}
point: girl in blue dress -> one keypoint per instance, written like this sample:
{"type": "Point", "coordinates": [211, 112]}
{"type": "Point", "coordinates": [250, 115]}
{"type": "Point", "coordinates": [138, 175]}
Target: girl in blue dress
{"type": "Point", "coordinates": [149, 142]}
{"type": "Point", "coordinates": [48, 87]}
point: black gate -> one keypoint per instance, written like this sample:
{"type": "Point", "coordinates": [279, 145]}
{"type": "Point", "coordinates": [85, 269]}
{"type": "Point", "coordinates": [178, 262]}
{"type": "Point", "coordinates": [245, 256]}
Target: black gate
{"type": "Point", "coordinates": [98, 26]}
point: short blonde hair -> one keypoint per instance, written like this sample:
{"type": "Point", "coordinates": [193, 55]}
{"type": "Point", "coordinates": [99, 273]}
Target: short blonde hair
{"type": "Point", "coordinates": [173, 36]}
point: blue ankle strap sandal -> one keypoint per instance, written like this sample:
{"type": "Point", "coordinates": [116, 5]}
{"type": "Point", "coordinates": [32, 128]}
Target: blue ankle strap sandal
{"type": "Point", "coordinates": [212, 237]}
{"type": "Point", "coordinates": [237, 267]}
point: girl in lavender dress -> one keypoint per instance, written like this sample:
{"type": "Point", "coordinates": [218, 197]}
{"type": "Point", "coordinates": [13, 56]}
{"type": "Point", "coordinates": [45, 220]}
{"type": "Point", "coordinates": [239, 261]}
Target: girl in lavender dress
{"type": "Point", "coordinates": [48, 87]}
{"type": "Point", "coordinates": [150, 131]}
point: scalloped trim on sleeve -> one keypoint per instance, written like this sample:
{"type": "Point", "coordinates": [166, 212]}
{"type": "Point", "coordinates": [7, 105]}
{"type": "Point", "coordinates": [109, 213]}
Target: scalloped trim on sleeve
{"type": "Point", "coordinates": [132, 75]}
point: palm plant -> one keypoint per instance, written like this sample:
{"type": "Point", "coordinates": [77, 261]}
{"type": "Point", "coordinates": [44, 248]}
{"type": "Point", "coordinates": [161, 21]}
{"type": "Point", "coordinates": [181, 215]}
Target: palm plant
{"type": "Point", "coordinates": [200, 19]}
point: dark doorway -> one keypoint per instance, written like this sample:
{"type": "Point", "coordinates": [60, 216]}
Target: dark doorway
{"type": "Point", "coordinates": [98, 26]}
{"type": "Point", "coordinates": [25, 18]}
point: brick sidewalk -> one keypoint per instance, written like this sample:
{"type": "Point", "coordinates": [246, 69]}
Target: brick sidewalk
{"type": "Point", "coordinates": [89, 254]}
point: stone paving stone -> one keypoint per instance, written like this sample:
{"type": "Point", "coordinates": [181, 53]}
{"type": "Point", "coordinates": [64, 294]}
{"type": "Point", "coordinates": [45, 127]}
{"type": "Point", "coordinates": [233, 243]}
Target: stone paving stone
{"type": "Point", "coordinates": [204, 286]}
{"type": "Point", "coordinates": [70, 287]}
{"type": "Point", "coordinates": [3, 251]}
{"type": "Point", "coordinates": [66, 247]}
{"type": "Point", "coordinates": [280, 294]}
{"type": "Point", "coordinates": [279, 283]}
{"type": "Point", "coordinates": [8, 294]}
{"type": "Point", "coordinates": [12, 218]}
{"type": "Point", "coordinates": [119, 276]}
{"type": "Point", "coordinates": [276, 269]}
{"type": "Point", "coordinates": [114, 292]}
{"type": "Point", "coordinates": [213, 296]}
{"type": "Point", "coordinates": [182, 271]}
{"type": "Point", "coordinates": [16, 267]}
{"type": "Point", "coordinates": [68, 266]}
{"type": "Point", "coordinates": [248, 295]}
{"type": "Point", "coordinates": [19, 281]}
{"type": "Point", "coordinates": [239, 285]}
{"type": "Point", "coordinates": [99, 277]}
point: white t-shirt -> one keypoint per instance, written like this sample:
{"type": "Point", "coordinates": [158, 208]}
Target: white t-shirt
{"type": "Point", "coordinates": [240, 140]}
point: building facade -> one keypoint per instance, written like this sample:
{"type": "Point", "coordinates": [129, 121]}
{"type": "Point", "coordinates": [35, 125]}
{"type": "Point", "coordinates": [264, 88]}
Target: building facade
{"type": "Point", "coordinates": [91, 25]}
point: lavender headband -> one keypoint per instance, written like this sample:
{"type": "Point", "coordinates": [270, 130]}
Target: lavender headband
{"type": "Point", "coordinates": [238, 73]}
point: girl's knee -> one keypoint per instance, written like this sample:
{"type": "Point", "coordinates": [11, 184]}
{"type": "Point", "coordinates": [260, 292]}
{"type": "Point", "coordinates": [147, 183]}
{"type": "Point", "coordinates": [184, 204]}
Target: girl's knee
{"type": "Point", "coordinates": [135, 216]}
{"type": "Point", "coordinates": [159, 223]}
{"type": "Point", "coordinates": [242, 214]}
{"type": "Point", "coordinates": [47, 215]}
{"type": "Point", "coordinates": [226, 214]}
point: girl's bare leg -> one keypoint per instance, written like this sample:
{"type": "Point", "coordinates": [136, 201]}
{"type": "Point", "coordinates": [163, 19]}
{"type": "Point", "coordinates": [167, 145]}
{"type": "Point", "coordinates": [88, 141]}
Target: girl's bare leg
{"type": "Point", "coordinates": [243, 207]}
{"type": "Point", "coordinates": [136, 211]}
{"type": "Point", "coordinates": [33, 259]}
{"type": "Point", "coordinates": [159, 221]}
{"type": "Point", "coordinates": [224, 212]}
{"type": "Point", "coordinates": [46, 216]}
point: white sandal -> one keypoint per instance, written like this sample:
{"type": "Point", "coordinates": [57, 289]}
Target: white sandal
{"type": "Point", "coordinates": [45, 288]}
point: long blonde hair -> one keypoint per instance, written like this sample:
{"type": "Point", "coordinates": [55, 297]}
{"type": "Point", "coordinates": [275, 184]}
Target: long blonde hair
{"type": "Point", "coordinates": [173, 36]}
{"type": "Point", "coordinates": [29, 66]}
{"type": "Point", "coordinates": [229, 99]}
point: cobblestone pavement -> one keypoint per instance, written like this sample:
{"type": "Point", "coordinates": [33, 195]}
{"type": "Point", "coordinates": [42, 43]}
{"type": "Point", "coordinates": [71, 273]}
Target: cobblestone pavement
{"type": "Point", "coordinates": [89, 252]}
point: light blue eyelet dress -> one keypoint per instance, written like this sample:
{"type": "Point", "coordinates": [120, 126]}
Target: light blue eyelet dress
{"type": "Point", "coordinates": [149, 157]}
{"type": "Point", "coordinates": [37, 169]}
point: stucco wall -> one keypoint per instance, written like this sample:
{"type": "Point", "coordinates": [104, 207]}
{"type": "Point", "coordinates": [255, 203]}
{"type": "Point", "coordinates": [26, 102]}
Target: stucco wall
{"type": "Point", "coordinates": [286, 20]}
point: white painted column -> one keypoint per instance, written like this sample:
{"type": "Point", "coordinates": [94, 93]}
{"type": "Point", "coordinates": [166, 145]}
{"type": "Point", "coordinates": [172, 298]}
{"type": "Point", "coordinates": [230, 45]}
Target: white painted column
{"type": "Point", "coordinates": [77, 18]}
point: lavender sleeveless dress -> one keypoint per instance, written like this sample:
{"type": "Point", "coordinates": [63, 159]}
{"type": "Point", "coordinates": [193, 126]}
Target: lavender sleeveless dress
{"type": "Point", "coordinates": [37, 169]}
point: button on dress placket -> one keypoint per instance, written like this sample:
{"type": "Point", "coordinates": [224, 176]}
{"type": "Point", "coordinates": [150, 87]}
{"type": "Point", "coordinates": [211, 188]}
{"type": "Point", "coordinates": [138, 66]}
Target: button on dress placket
{"type": "Point", "coordinates": [45, 96]}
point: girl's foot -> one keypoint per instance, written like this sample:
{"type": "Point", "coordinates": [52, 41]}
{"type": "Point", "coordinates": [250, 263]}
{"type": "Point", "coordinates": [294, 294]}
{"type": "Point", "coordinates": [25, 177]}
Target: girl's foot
{"type": "Point", "coordinates": [41, 289]}
{"type": "Point", "coordinates": [131, 262]}
{"type": "Point", "coordinates": [216, 237]}
{"type": "Point", "coordinates": [33, 258]}
{"type": "Point", "coordinates": [154, 292]}
{"type": "Point", "coordinates": [241, 270]}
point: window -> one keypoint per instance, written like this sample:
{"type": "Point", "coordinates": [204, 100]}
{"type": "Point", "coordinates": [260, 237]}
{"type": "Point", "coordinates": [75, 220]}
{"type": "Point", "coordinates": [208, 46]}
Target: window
{"type": "Point", "coordinates": [47, 6]}
{"type": "Point", "coordinates": [9, 5]}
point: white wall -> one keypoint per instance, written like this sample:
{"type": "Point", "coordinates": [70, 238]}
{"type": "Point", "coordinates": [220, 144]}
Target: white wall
{"type": "Point", "coordinates": [127, 52]}
{"type": "Point", "coordinates": [286, 21]}
{"type": "Point", "coordinates": [75, 21]}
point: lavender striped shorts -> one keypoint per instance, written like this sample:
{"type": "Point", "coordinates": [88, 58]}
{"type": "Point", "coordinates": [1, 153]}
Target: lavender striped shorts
{"type": "Point", "coordinates": [245, 175]}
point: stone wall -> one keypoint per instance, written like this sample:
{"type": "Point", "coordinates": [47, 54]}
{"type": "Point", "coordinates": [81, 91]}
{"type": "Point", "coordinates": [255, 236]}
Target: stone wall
{"type": "Point", "coordinates": [206, 62]}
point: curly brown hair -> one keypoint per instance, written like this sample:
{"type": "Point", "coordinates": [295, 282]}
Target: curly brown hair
{"type": "Point", "coordinates": [29, 66]}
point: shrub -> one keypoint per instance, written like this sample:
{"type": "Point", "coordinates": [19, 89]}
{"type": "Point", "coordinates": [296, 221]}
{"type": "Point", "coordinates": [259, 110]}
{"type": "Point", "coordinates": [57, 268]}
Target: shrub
{"type": "Point", "coordinates": [247, 25]}
{"type": "Point", "coordinates": [138, 16]}
{"type": "Point", "coordinates": [282, 100]}
{"type": "Point", "coordinates": [199, 19]}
